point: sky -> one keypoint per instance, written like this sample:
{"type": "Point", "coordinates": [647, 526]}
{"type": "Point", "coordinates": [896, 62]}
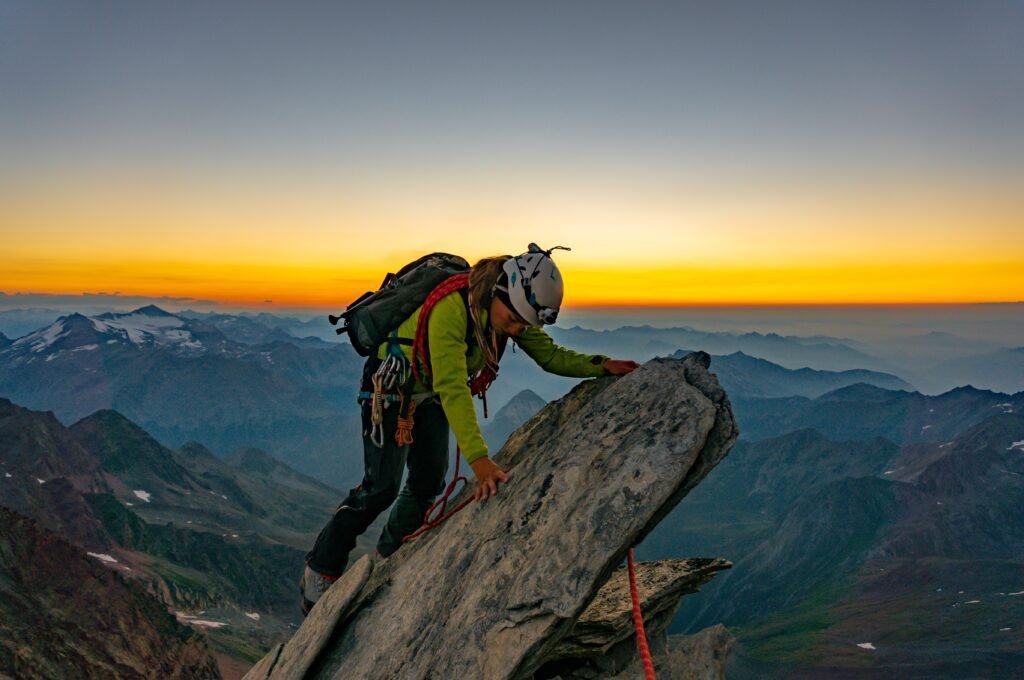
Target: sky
{"type": "Point", "coordinates": [287, 155]}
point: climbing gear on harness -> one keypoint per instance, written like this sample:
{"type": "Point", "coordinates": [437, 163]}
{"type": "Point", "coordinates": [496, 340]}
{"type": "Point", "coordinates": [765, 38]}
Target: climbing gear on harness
{"type": "Point", "coordinates": [374, 314]}
{"type": "Point", "coordinates": [377, 411]}
{"type": "Point", "coordinates": [638, 620]}
{"type": "Point", "coordinates": [431, 522]}
{"type": "Point", "coordinates": [532, 286]}
{"type": "Point", "coordinates": [403, 433]}
{"type": "Point", "coordinates": [388, 381]}
{"type": "Point", "coordinates": [395, 370]}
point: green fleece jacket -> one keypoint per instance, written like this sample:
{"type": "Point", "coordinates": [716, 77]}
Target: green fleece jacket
{"type": "Point", "coordinates": [451, 365]}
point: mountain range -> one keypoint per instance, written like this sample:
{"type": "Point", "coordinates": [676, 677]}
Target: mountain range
{"type": "Point", "coordinates": [849, 506]}
{"type": "Point", "coordinates": [874, 533]}
{"type": "Point", "coordinates": [225, 537]}
{"type": "Point", "coordinates": [233, 381]}
{"type": "Point", "coordinates": [186, 380]}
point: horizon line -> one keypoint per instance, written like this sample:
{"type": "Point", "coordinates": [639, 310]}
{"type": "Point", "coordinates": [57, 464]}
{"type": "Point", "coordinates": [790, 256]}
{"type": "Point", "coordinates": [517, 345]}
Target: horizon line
{"type": "Point", "coordinates": [187, 302]}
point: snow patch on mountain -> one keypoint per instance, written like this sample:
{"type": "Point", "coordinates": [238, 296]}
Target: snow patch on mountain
{"type": "Point", "coordinates": [43, 338]}
{"type": "Point", "coordinates": [147, 326]}
{"type": "Point", "coordinates": [141, 328]}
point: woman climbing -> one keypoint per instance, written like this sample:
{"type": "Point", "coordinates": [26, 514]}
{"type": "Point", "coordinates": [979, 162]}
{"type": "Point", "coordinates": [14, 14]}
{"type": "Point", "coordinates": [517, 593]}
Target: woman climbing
{"type": "Point", "coordinates": [463, 334]}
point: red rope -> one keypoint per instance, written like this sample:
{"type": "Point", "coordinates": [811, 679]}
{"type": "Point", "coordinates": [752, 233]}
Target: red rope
{"type": "Point", "coordinates": [428, 522]}
{"type": "Point", "coordinates": [420, 345]}
{"type": "Point", "coordinates": [638, 621]}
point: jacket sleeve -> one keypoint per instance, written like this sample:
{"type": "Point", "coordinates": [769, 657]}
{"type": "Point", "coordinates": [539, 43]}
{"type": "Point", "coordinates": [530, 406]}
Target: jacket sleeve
{"type": "Point", "coordinates": [556, 359]}
{"type": "Point", "coordinates": [446, 330]}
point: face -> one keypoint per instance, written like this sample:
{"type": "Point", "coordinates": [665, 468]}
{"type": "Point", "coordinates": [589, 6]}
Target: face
{"type": "Point", "coordinates": [504, 320]}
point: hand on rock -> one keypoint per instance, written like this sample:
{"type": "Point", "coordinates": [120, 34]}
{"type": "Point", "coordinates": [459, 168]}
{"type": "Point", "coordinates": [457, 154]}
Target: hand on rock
{"type": "Point", "coordinates": [488, 474]}
{"type": "Point", "coordinates": [620, 366]}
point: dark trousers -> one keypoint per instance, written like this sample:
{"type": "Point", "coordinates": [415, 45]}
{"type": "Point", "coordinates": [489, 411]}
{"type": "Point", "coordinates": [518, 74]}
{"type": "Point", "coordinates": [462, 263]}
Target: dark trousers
{"type": "Point", "coordinates": [427, 459]}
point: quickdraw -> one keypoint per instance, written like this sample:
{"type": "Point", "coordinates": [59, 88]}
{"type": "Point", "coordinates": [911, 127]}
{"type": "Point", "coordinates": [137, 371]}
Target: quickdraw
{"type": "Point", "coordinates": [390, 377]}
{"type": "Point", "coordinates": [377, 407]}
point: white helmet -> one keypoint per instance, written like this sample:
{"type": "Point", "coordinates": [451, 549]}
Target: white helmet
{"type": "Point", "coordinates": [532, 285]}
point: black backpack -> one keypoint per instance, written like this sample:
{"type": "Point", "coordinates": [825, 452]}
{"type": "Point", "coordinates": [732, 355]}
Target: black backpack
{"type": "Point", "coordinates": [374, 314]}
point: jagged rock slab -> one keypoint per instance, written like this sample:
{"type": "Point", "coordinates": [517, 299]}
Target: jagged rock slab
{"type": "Point", "coordinates": [701, 656]}
{"type": "Point", "coordinates": [491, 592]}
{"type": "Point", "coordinates": [295, 657]}
{"type": "Point", "coordinates": [608, 620]}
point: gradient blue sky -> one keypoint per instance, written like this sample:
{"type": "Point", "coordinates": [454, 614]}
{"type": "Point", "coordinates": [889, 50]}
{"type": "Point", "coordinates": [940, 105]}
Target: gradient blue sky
{"type": "Point", "coordinates": [646, 134]}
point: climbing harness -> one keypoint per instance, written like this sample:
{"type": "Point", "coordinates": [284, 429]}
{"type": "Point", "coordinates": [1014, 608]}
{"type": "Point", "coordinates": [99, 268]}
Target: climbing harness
{"type": "Point", "coordinates": [638, 620]}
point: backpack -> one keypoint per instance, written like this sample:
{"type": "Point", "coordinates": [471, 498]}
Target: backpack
{"type": "Point", "coordinates": [375, 314]}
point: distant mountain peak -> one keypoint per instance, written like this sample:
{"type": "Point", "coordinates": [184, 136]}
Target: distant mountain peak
{"type": "Point", "coordinates": [120, 444]}
{"type": "Point", "coordinates": [150, 325]}
{"type": "Point", "coordinates": [256, 460]}
{"type": "Point", "coordinates": [109, 416]}
{"type": "Point", "coordinates": [860, 391]}
{"type": "Point", "coordinates": [151, 310]}
{"type": "Point", "coordinates": [528, 395]}
{"type": "Point", "coordinates": [970, 389]}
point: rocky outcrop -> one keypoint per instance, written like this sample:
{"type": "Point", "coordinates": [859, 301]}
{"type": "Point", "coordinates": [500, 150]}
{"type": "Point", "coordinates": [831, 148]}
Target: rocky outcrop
{"type": "Point", "coordinates": [700, 656]}
{"type": "Point", "coordinates": [496, 590]}
{"type": "Point", "coordinates": [602, 643]}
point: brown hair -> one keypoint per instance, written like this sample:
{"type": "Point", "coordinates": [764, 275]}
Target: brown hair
{"type": "Point", "coordinates": [482, 277]}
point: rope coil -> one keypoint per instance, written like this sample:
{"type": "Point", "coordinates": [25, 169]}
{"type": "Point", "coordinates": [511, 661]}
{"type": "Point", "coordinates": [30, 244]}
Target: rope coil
{"type": "Point", "coordinates": [403, 433]}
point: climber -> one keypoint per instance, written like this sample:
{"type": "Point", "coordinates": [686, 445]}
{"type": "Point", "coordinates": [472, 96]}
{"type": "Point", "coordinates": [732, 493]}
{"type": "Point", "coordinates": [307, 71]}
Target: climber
{"type": "Point", "coordinates": [507, 298]}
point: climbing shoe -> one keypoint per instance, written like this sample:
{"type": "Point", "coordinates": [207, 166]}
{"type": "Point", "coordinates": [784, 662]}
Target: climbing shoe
{"type": "Point", "coordinates": [312, 586]}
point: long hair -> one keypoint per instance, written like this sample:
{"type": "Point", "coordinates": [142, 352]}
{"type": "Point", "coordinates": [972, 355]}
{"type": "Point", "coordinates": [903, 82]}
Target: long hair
{"type": "Point", "coordinates": [482, 278]}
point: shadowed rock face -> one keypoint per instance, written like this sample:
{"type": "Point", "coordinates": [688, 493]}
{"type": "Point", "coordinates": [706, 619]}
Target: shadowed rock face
{"type": "Point", "coordinates": [492, 592]}
{"type": "Point", "coordinates": [602, 643]}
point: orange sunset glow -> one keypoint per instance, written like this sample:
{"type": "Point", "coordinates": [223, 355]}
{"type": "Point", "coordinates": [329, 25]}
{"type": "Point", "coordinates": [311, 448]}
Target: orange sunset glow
{"type": "Point", "coordinates": [272, 180]}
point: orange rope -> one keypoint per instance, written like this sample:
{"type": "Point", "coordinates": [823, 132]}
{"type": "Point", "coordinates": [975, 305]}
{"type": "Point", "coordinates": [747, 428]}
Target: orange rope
{"type": "Point", "coordinates": [403, 433]}
{"type": "Point", "coordinates": [638, 621]}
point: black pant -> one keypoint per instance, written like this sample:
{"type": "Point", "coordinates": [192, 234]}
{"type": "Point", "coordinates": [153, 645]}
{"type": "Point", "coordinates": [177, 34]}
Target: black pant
{"type": "Point", "coordinates": [427, 458]}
